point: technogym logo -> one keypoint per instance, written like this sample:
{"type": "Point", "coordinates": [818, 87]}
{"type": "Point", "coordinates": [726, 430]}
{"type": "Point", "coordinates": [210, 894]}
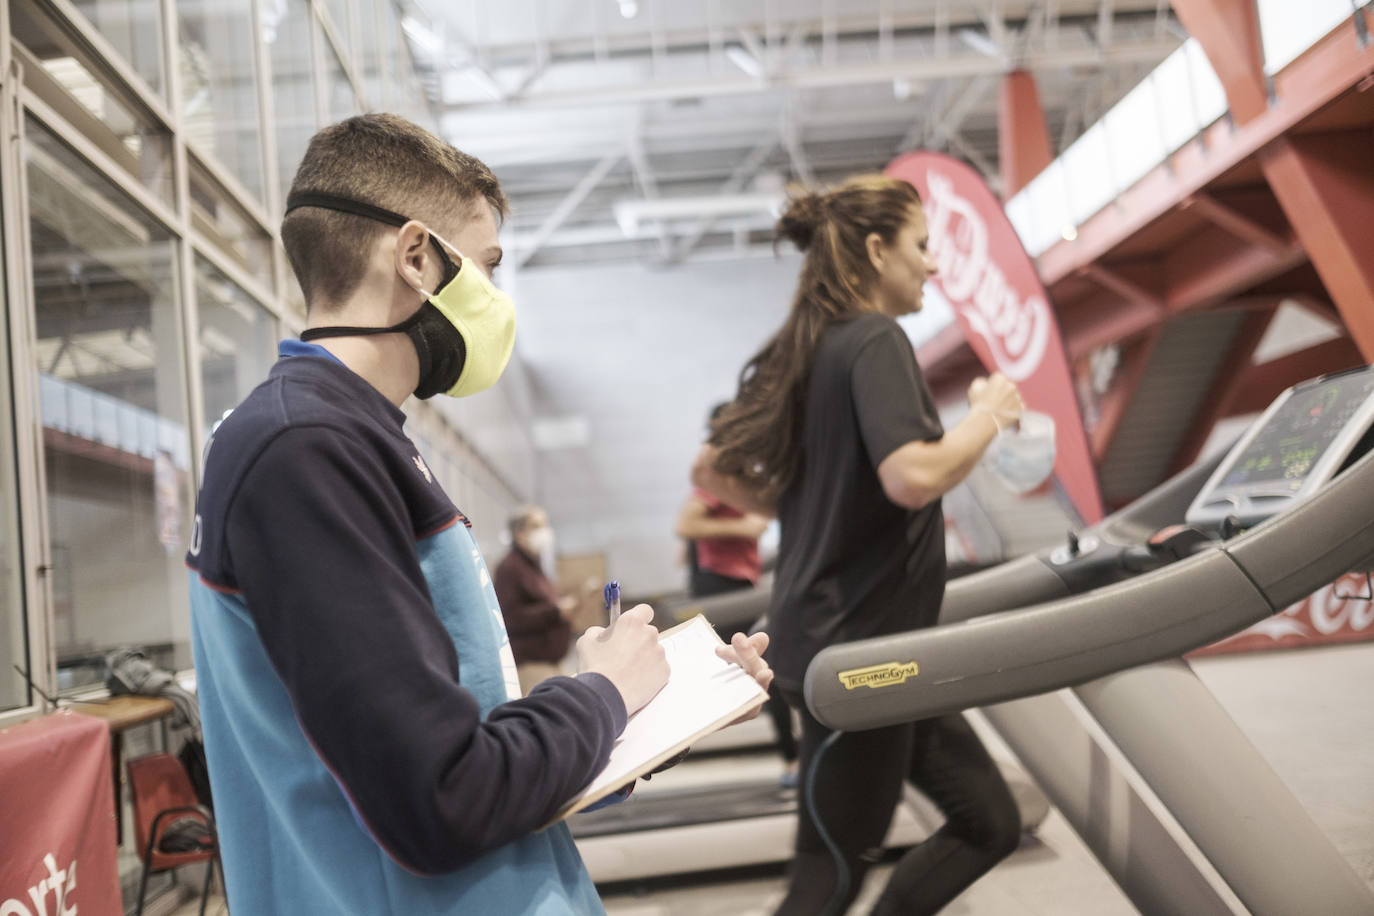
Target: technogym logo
{"type": "Point", "coordinates": [889, 674]}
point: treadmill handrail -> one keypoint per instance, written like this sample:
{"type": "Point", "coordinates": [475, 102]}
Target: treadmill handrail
{"type": "Point", "coordinates": [1162, 614]}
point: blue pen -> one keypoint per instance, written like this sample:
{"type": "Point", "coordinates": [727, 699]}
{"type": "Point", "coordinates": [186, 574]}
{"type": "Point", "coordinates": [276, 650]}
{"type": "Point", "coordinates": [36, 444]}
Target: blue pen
{"type": "Point", "coordinates": [612, 595]}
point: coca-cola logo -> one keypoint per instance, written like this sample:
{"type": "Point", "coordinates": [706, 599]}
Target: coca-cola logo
{"type": "Point", "coordinates": [1016, 327]}
{"type": "Point", "coordinates": [1327, 611]}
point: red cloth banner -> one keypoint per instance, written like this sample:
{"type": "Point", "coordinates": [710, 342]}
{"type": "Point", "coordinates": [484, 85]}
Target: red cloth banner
{"type": "Point", "coordinates": [991, 285]}
{"type": "Point", "coordinates": [57, 819]}
{"type": "Point", "coordinates": [1340, 612]}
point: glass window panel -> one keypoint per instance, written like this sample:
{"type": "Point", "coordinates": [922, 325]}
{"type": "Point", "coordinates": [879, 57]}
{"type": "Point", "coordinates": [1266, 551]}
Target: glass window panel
{"type": "Point", "coordinates": [343, 102]}
{"type": "Point", "coordinates": [13, 644]}
{"type": "Point", "coordinates": [1174, 98]}
{"type": "Point", "coordinates": [343, 24]}
{"type": "Point", "coordinates": [1209, 98]}
{"type": "Point", "coordinates": [1133, 135]}
{"type": "Point", "coordinates": [111, 390]}
{"type": "Point", "coordinates": [219, 90]}
{"type": "Point", "coordinates": [134, 28]}
{"type": "Point", "coordinates": [1287, 29]}
{"type": "Point", "coordinates": [1089, 170]}
{"type": "Point", "coordinates": [237, 341]}
{"type": "Point", "coordinates": [62, 74]}
{"type": "Point", "coordinates": [370, 46]}
{"type": "Point", "coordinates": [397, 59]}
{"type": "Point", "coordinates": [216, 215]}
{"type": "Point", "coordinates": [286, 30]}
{"type": "Point", "coordinates": [1021, 216]}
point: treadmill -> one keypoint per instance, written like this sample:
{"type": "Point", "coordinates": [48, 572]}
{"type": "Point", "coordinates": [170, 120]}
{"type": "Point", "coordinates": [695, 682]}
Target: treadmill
{"type": "Point", "coordinates": [682, 823]}
{"type": "Point", "coordinates": [1136, 753]}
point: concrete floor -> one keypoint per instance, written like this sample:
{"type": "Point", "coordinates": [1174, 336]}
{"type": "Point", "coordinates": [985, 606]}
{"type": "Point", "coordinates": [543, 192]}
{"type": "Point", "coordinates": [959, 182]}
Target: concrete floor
{"type": "Point", "coordinates": [1308, 711]}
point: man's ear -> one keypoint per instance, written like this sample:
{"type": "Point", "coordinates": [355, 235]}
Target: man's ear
{"type": "Point", "coordinates": [877, 251]}
{"type": "Point", "coordinates": [412, 255]}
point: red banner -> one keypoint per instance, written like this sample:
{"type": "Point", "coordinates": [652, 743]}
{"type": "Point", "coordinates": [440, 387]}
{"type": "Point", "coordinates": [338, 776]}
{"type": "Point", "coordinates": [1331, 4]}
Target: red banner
{"type": "Point", "coordinates": [1340, 612]}
{"type": "Point", "coordinates": [991, 285]}
{"type": "Point", "coordinates": [57, 819]}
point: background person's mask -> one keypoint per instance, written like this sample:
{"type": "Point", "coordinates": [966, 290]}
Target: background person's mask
{"type": "Point", "coordinates": [463, 335]}
{"type": "Point", "coordinates": [1022, 456]}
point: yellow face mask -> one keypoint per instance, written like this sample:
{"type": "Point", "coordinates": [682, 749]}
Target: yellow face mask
{"type": "Point", "coordinates": [463, 334]}
{"type": "Point", "coordinates": [484, 318]}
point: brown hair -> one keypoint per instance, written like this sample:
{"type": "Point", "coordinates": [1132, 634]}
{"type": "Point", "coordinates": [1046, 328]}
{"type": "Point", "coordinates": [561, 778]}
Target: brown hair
{"type": "Point", "coordinates": [386, 161]}
{"type": "Point", "coordinates": [758, 435]}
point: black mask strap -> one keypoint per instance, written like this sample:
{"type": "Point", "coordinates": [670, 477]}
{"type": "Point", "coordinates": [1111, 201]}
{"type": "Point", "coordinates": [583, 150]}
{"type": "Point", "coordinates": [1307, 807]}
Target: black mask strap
{"type": "Point", "coordinates": [358, 208]}
{"type": "Point", "coordinates": [346, 331]}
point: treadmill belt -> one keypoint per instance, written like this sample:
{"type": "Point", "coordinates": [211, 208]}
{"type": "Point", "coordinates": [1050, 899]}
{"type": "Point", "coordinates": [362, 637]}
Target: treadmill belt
{"type": "Point", "coordinates": [687, 807]}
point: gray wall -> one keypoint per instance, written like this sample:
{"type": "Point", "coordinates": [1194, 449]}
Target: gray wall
{"type": "Point", "coordinates": [635, 356]}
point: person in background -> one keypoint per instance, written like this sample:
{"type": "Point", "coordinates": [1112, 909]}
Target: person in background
{"type": "Point", "coordinates": [368, 747]}
{"type": "Point", "coordinates": [724, 544]}
{"type": "Point", "coordinates": [834, 429]}
{"type": "Point", "coordinates": [537, 617]}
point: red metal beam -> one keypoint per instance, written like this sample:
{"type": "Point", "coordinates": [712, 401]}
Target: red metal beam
{"type": "Point", "coordinates": [1236, 223]}
{"type": "Point", "coordinates": [1114, 282]}
{"type": "Point", "coordinates": [1260, 384]}
{"type": "Point", "coordinates": [1226, 386]}
{"type": "Point", "coordinates": [1023, 140]}
{"type": "Point", "coordinates": [1330, 68]}
{"type": "Point", "coordinates": [1102, 322]}
{"type": "Point", "coordinates": [1112, 408]}
{"type": "Point", "coordinates": [1322, 308]}
{"type": "Point", "coordinates": [1228, 31]}
{"type": "Point", "coordinates": [1325, 184]}
{"type": "Point", "coordinates": [1214, 265]}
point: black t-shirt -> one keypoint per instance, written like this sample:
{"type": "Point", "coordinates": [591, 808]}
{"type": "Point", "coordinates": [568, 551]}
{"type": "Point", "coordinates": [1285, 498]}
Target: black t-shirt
{"type": "Point", "coordinates": [852, 563]}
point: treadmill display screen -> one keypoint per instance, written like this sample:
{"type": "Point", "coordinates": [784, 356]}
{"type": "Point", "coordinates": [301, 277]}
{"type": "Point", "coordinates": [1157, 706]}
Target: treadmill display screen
{"type": "Point", "coordinates": [1297, 435]}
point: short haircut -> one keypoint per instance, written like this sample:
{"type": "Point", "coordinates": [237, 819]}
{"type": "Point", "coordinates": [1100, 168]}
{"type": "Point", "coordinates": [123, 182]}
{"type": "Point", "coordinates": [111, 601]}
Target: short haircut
{"type": "Point", "coordinates": [386, 161]}
{"type": "Point", "coordinates": [521, 517]}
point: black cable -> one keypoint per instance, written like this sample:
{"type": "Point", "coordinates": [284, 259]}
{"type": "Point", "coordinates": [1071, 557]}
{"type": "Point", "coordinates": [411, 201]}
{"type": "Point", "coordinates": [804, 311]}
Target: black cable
{"type": "Point", "coordinates": [836, 905]}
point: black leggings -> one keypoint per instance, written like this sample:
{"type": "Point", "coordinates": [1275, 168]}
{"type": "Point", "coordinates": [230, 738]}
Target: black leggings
{"type": "Point", "coordinates": [857, 790]}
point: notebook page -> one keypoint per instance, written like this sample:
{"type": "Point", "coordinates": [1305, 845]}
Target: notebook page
{"type": "Point", "coordinates": [702, 690]}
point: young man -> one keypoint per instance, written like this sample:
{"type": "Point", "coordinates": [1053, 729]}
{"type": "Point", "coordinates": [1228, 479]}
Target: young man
{"type": "Point", "coordinates": [368, 751]}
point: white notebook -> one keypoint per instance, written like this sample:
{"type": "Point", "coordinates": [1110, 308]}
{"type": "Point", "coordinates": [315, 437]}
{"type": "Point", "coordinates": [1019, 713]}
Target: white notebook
{"type": "Point", "coordinates": [704, 694]}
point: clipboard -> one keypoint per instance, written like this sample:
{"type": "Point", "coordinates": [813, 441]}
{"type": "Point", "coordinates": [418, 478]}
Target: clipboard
{"type": "Point", "coordinates": [704, 694]}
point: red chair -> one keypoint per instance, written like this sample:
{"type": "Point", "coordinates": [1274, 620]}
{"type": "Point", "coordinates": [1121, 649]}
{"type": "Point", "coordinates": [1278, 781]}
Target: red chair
{"type": "Point", "coordinates": [163, 797]}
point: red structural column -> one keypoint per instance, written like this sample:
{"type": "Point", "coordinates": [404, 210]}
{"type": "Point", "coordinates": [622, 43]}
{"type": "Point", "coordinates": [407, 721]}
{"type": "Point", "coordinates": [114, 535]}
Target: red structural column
{"type": "Point", "coordinates": [1023, 141]}
{"type": "Point", "coordinates": [1326, 188]}
{"type": "Point", "coordinates": [1228, 31]}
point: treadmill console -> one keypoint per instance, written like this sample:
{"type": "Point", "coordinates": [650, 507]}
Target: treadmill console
{"type": "Point", "coordinates": [1296, 446]}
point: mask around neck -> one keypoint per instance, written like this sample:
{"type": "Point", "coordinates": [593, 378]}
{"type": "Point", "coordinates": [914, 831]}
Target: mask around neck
{"type": "Point", "coordinates": [463, 334]}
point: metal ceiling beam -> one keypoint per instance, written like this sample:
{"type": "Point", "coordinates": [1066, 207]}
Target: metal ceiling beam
{"type": "Point", "coordinates": [742, 173]}
{"type": "Point", "coordinates": [791, 139]}
{"type": "Point", "coordinates": [953, 66]}
{"type": "Point", "coordinates": [945, 14]}
{"type": "Point", "coordinates": [566, 207]}
{"type": "Point", "coordinates": [935, 132]}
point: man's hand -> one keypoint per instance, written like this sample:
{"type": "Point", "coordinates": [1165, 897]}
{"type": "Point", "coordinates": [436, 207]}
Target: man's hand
{"type": "Point", "coordinates": [628, 654]}
{"type": "Point", "coordinates": [747, 652]}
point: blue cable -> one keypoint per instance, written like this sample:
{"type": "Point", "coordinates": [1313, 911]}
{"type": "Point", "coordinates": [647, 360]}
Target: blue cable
{"type": "Point", "coordinates": [836, 905]}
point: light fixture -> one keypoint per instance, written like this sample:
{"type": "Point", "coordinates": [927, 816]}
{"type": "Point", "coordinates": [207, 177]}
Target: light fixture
{"type": "Point", "coordinates": [632, 215]}
{"type": "Point", "coordinates": [744, 60]}
{"type": "Point", "coordinates": [1069, 233]}
{"type": "Point", "coordinates": [980, 43]}
{"type": "Point", "coordinates": [629, 9]}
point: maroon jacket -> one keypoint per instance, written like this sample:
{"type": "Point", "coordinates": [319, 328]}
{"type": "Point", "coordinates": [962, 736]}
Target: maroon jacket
{"type": "Point", "coordinates": [529, 602]}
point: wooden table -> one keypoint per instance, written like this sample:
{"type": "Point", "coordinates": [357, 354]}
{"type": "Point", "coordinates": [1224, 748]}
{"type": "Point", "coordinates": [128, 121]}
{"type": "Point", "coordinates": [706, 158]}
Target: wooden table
{"type": "Point", "coordinates": [121, 714]}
